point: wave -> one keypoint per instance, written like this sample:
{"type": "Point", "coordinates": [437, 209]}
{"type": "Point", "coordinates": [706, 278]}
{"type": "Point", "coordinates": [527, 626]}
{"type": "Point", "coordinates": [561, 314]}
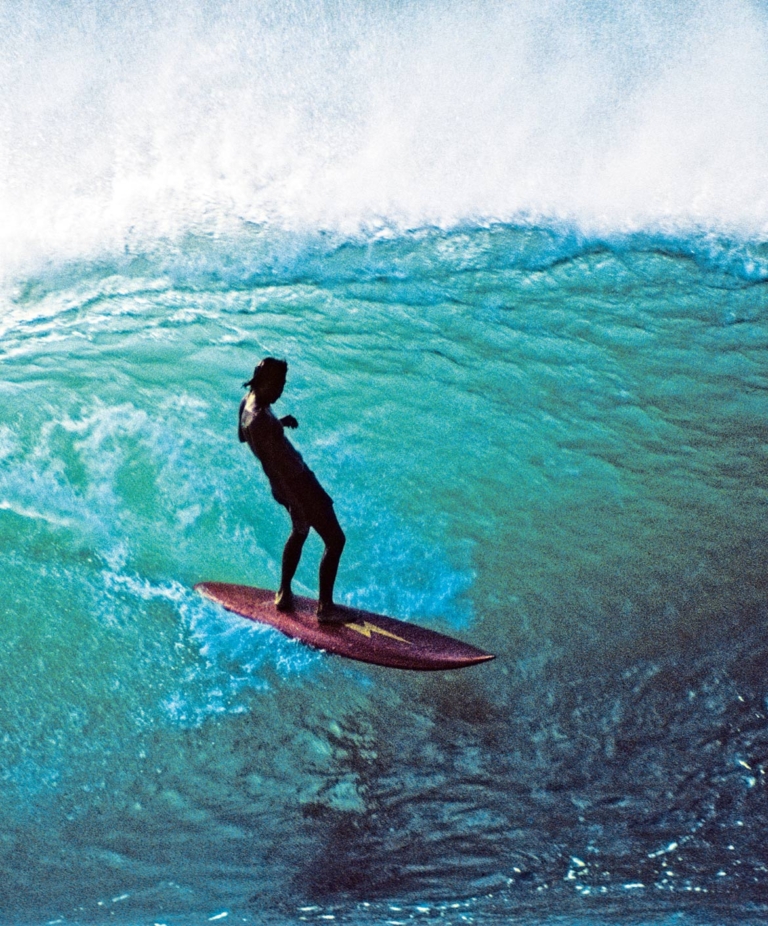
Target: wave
{"type": "Point", "coordinates": [149, 121]}
{"type": "Point", "coordinates": [550, 447]}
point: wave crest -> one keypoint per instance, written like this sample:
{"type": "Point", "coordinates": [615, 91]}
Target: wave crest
{"type": "Point", "coordinates": [151, 121]}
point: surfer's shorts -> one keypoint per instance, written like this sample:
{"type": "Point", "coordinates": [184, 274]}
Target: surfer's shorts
{"type": "Point", "coordinates": [312, 506]}
{"type": "Point", "coordinates": [323, 519]}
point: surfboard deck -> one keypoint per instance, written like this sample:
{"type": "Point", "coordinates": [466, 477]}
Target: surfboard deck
{"type": "Point", "coordinates": [367, 637]}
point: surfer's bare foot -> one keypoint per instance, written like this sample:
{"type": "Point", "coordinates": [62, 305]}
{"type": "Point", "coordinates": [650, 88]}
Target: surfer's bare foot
{"type": "Point", "coordinates": [284, 601]}
{"type": "Point", "coordinates": [328, 613]}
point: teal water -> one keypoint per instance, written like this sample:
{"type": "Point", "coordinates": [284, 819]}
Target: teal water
{"type": "Point", "coordinates": [515, 256]}
{"type": "Point", "coordinates": [565, 465]}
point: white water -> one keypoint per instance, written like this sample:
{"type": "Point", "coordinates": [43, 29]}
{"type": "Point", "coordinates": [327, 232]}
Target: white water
{"type": "Point", "coordinates": [121, 124]}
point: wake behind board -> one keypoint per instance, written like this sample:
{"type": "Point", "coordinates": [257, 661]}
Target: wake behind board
{"type": "Point", "coordinates": [367, 637]}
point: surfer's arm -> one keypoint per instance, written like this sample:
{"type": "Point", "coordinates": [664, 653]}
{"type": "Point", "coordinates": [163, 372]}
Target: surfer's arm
{"type": "Point", "coordinates": [289, 422]}
{"type": "Point", "coordinates": [240, 432]}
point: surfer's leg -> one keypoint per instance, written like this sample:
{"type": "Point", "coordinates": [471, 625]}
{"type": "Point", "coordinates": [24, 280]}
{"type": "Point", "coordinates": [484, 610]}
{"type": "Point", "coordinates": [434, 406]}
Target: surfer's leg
{"type": "Point", "coordinates": [333, 537]}
{"type": "Point", "coordinates": [291, 557]}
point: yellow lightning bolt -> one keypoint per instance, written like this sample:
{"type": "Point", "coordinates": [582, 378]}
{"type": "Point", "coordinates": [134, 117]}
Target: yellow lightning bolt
{"type": "Point", "coordinates": [367, 629]}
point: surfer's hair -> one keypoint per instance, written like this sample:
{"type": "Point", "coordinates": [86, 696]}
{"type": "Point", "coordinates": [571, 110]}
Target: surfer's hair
{"type": "Point", "coordinates": [267, 369]}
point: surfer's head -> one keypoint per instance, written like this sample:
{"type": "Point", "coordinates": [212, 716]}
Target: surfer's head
{"type": "Point", "coordinates": [268, 380]}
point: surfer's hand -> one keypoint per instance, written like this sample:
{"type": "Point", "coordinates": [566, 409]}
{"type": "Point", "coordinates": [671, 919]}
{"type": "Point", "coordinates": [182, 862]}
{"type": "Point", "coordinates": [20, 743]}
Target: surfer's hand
{"type": "Point", "coordinates": [289, 422]}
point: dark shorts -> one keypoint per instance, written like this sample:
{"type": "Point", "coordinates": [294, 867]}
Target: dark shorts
{"type": "Point", "coordinates": [323, 519]}
{"type": "Point", "coordinates": [311, 506]}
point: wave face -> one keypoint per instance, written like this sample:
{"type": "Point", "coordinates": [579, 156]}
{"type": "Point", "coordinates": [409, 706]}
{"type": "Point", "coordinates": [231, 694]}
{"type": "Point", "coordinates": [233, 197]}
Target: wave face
{"type": "Point", "coordinates": [137, 120]}
{"type": "Point", "coordinates": [516, 259]}
{"type": "Point", "coordinates": [557, 454]}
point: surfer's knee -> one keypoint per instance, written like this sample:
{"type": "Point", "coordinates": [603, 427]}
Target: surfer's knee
{"type": "Point", "coordinates": [330, 532]}
{"type": "Point", "coordinates": [334, 544]}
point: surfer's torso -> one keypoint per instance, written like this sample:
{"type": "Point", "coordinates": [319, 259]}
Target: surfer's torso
{"type": "Point", "coordinates": [293, 483]}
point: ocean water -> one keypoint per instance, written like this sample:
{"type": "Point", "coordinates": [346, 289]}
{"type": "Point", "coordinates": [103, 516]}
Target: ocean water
{"type": "Point", "coordinates": [516, 256]}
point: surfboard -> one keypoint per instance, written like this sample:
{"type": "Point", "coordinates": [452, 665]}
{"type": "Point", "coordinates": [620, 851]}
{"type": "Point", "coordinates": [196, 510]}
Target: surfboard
{"type": "Point", "coordinates": [367, 637]}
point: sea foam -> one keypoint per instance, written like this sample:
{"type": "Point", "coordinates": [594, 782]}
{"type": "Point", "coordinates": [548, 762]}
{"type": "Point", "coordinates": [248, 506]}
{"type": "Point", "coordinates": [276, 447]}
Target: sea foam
{"type": "Point", "coordinates": [132, 123]}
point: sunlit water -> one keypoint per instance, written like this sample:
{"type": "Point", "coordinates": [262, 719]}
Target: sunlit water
{"type": "Point", "coordinates": [515, 260]}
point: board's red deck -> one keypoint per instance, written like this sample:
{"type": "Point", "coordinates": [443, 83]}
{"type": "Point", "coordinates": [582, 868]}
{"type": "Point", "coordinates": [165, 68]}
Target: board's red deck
{"type": "Point", "coordinates": [367, 637]}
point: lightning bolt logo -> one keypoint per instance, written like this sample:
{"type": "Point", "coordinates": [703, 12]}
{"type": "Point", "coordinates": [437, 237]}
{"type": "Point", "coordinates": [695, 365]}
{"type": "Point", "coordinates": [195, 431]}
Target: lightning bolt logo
{"type": "Point", "coordinates": [366, 629]}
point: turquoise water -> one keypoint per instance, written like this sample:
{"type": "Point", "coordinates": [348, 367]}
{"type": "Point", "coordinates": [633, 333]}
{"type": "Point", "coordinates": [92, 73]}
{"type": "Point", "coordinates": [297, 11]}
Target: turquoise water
{"type": "Point", "coordinates": [527, 352]}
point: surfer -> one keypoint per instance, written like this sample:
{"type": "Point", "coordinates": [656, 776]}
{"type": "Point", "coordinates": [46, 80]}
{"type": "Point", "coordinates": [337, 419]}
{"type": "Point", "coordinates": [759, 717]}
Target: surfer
{"type": "Point", "coordinates": [293, 485]}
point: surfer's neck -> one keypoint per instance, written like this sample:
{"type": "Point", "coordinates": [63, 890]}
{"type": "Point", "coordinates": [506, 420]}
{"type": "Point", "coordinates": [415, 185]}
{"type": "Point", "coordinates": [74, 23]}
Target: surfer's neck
{"type": "Point", "coordinates": [258, 403]}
